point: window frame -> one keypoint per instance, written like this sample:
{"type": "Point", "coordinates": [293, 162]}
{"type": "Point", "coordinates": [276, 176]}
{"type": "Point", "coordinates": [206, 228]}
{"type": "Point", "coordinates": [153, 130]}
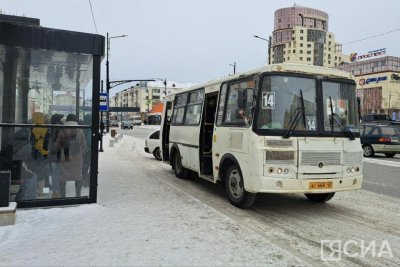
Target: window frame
{"type": "Point", "coordinates": [228, 84]}
{"type": "Point", "coordinates": [189, 104]}
{"type": "Point", "coordinates": [176, 108]}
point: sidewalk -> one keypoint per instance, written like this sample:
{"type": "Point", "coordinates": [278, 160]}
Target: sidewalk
{"type": "Point", "coordinates": [139, 220]}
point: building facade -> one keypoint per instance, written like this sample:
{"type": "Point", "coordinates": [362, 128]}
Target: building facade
{"type": "Point", "coordinates": [144, 96]}
{"type": "Point", "coordinates": [301, 36]}
{"type": "Point", "coordinates": [378, 84]}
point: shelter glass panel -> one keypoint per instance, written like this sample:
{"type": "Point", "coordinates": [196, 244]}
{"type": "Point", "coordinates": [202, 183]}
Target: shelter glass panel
{"type": "Point", "coordinates": [46, 122]}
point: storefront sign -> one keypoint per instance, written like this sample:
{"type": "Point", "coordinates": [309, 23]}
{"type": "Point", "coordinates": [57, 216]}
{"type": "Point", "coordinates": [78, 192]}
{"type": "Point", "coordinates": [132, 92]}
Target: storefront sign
{"type": "Point", "coordinates": [376, 79]}
{"type": "Point", "coordinates": [375, 53]}
{"type": "Point", "coordinates": [372, 80]}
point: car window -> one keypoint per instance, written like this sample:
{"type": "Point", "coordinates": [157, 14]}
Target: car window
{"type": "Point", "coordinates": [155, 135]}
{"type": "Point", "coordinates": [367, 130]}
{"type": "Point", "coordinates": [388, 131]}
{"type": "Point", "coordinates": [368, 118]}
{"type": "Point", "coordinates": [375, 132]}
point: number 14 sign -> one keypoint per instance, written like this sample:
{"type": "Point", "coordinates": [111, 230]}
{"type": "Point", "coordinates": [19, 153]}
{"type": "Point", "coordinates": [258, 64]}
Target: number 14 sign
{"type": "Point", "coordinates": [268, 100]}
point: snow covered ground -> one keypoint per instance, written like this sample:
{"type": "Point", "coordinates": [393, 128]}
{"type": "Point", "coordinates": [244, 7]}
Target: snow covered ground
{"type": "Point", "coordinates": [139, 220]}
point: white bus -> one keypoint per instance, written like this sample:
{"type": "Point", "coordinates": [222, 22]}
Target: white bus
{"type": "Point", "coordinates": [283, 128]}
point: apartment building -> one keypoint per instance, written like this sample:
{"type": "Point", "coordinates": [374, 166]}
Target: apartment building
{"type": "Point", "coordinates": [301, 36]}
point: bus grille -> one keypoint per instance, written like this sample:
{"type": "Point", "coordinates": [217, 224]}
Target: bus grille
{"type": "Point", "coordinates": [280, 157]}
{"type": "Point", "coordinates": [279, 143]}
{"type": "Point", "coordinates": [352, 158]}
{"type": "Point", "coordinates": [313, 158]}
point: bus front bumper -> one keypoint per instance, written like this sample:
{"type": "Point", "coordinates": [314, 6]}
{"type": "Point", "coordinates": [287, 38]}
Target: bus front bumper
{"type": "Point", "coordinates": [277, 185]}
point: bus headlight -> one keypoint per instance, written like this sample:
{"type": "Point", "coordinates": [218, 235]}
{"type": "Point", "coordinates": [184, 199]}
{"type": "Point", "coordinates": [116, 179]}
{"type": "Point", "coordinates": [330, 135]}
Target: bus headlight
{"type": "Point", "coordinates": [353, 169]}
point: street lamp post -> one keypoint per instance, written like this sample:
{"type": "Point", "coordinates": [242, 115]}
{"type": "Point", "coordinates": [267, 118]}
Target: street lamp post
{"type": "Point", "coordinates": [101, 125]}
{"type": "Point", "coordinates": [234, 67]}
{"type": "Point", "coordinates": [108, 86]}
{"type": "Point", "coordinates": [269, 45]}
{"type": "Point", "coordinates": [165, 87]}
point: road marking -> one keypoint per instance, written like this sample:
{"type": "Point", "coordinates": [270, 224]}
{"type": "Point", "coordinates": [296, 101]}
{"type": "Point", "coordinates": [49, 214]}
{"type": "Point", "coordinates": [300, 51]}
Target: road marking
{"type": "Point", "coordinates": [383, 162]}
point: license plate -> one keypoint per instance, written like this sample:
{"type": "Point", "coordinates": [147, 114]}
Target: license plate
{"type": "Point", "coordinates": [320, 185]}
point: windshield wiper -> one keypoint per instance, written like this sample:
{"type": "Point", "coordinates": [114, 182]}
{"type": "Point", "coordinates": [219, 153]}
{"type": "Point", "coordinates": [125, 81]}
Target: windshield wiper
{"type": "Point", "coordinates": [295, 118]}
{"type": "Point", "coordinates": [335, 118]}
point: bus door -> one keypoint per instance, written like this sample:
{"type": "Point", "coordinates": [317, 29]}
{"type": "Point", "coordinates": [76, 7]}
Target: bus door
{"type": "Point", "coordinates": [206, 133]}
{"type": "Point", "coordinates": [165, 130]}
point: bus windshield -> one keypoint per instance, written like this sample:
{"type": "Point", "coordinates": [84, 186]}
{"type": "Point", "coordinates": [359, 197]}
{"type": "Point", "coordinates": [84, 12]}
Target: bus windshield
{"type": "Point", "coordinates": [282, 99]}
{"type": "Point", "coordinates": [289, 103]}
{"type": "Point", "coordinates": [340, 100]}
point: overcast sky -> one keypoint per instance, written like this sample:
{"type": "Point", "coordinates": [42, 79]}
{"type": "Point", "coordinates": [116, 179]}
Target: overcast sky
{"type": "Point", "coordinates": [196, 41]}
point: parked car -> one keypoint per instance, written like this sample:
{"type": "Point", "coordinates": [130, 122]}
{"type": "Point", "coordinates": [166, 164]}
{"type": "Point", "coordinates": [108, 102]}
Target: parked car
{"type": "Point", "coordinates": [137, 121]}
{"type": "Point", "coordinates": [380, 139]}
{"type": "Point", "coordinates": [376, 118]}
{"type": "Point", "coordinates": [152, 144]}
{"type": "Point", "coordinates": [127, 124]}
{"type": "Point", "coordinates": [114, 123]}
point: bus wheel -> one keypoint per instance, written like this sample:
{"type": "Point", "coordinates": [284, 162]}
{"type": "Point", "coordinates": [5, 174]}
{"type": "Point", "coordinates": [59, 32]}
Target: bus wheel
{"type": "Point", "coordinates": [180, 171]}
{"type": "Point", "coordinates": [157, 153]}
{"type": "Point", "coordinates": [320, 197]}
{"type": "Point", "coordinates": [234, 187]}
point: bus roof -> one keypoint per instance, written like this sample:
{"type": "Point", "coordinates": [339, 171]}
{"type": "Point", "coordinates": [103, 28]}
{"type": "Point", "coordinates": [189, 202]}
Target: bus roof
{"type": "Point", "coordinates": [283, 67]}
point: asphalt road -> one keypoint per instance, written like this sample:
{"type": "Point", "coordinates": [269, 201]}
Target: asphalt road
{"type": "Point", "coordinates": [299, 226]}
{"type": "Point", "coordinates": [381, 175]}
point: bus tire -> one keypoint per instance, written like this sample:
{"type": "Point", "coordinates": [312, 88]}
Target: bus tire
{"type": "Point", "coordinates": [234, 188]}
{"type": "Point", "coordinates": [180, 171]}
{"type": "Point", "coordinates": [321, 198]}
{"type": "Point", "coordinates": [157, 153]}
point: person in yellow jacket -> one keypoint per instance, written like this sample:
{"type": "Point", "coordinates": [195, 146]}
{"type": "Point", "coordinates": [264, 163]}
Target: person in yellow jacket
{"type": "Point", "coordinates": [40, 137]}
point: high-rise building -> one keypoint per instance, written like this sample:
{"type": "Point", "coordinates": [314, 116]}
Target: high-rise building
{"type": "Point", "coordinates": [301, 36]}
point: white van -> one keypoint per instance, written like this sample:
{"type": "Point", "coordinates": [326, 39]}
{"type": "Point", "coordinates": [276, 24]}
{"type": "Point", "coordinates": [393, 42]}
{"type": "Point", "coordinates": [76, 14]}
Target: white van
{"type": "Point", "coordinates": [137, 120]}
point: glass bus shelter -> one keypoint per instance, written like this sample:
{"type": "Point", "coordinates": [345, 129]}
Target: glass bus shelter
{"type": "Point", "coordinates": [48, 121]}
